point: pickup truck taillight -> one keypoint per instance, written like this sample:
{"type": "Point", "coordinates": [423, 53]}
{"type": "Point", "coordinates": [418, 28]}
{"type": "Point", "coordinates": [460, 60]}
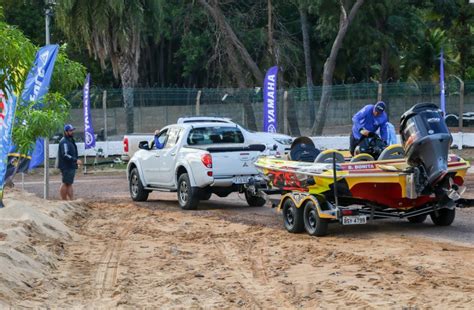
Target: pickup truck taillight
{"type": "Point", "coordinates": [206, 160]}
{"type": "Point", "coordinates": [125, 145]}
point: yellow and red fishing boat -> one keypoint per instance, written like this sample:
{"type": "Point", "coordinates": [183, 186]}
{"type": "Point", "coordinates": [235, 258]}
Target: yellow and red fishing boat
{"type": "Point", "coordinates": [426, 181]}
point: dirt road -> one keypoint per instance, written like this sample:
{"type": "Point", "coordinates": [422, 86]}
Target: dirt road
{"type": "Point", "coordinates": [113, 188]}
{"type": "Point", "coordinates": [227, 255]}
{"type": "Point", "coordinates": [134, 256]}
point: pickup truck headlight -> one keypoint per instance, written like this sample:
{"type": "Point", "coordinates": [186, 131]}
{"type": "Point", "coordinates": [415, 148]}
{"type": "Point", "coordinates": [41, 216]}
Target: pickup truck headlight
{"type": "Point", "coordinates": [284, 141]}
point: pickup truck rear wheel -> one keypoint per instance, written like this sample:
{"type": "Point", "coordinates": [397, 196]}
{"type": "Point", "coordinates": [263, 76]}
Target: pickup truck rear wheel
{"type": "Point", "coordinates": [137, 191]}
{"type": "Point", "coordinates": [254, 200]}
{"type": "Point", "coordinates": [188, 197]}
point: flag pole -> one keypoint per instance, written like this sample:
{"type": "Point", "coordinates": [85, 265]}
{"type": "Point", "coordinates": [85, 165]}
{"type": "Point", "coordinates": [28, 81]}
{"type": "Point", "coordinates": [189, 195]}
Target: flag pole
{"type": "Point", "coordinates": [46, 140]}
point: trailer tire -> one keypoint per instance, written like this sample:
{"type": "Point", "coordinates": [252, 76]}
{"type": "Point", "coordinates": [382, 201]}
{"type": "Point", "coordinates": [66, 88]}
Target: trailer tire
{"type": "Point", "coordinates": [188, 197]}
{"type": "Point", "coordinates": [292, 217]}
{"type": "Point", "coordinates": [417, 219]}
{"type": "Point", "coordinates": [313, 224]}
{"type": "Point", "coordinates": [443, 217]}
{"type": "Point", "coordinates": [137, 190]}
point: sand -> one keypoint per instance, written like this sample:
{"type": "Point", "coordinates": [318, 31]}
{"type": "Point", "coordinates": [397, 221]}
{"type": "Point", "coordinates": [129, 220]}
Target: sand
{"type": "Point", "coordinates": [32, 237]}
{"type": "Point", "coordinates": [108, 255]}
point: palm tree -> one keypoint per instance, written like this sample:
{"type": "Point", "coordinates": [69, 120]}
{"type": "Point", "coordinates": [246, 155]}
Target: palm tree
{"type": "Point", "coordinates": [112, 30]}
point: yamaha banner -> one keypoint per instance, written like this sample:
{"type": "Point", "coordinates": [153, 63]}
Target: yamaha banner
{"type": "Point", "coordinates": [270, 100]}
{"type": "Point", "coordinates": [7, 115]}
{"type": "Point", "coordinates": [36, 86]}
{"type": "Point", "coordinates": [89, 138]}
{"type": "Point", "coordinates": [37, 82]}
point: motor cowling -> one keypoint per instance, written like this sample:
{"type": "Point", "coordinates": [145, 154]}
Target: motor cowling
{"type": "Point", "coordinates": [426, 140]}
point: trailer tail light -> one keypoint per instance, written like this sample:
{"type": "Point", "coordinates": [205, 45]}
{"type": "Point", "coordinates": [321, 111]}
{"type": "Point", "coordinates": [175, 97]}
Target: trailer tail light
{"type": "Point", "coordinates": [125, 145]}
{"type": "Point", "coordinates": [348, 212]}
{"type": "Point", "coordinates": [206, 160]}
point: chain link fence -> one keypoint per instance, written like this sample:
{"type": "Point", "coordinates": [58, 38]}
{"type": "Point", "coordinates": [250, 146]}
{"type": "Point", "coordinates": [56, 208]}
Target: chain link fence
{"type": "Point", "coordinates": [154, 108]}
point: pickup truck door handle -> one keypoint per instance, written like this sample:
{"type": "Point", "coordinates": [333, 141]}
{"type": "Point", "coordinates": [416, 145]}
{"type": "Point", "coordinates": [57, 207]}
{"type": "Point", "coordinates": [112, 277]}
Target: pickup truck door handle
{"type": "Point", "coordinates": [157, 155]}
{"type": "Point", "coordinates": [173, 154]}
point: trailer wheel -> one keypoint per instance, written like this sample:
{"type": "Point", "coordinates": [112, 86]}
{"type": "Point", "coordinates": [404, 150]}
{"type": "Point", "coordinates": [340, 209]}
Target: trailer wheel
{"type": "Point", "coordinates": [313, 224]}
{"type": "Point", "coordinates": [443, 217]}
{"type": "Point", "coordinates": [417, 219]}
{"type": "Point", "coordinates": [292, 217]}
{"type": "Point", "coordinates": [187, 196]}
{"type": "Point", "coordinates": [137, 191]}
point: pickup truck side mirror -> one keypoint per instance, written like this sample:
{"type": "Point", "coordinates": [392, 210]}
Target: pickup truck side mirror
{"type": "Point", "coordinates": [143, 145]}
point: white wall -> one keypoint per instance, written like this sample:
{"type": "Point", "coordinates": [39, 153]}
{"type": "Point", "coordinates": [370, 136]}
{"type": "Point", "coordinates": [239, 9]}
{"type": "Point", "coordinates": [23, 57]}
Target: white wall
{"type": "Point", "coordinates": [323, 142]}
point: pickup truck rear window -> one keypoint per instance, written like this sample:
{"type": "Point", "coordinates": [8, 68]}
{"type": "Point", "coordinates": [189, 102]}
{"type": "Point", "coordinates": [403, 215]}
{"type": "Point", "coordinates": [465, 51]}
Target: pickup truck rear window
{"type": "Point", "coordinates": [215, 135]}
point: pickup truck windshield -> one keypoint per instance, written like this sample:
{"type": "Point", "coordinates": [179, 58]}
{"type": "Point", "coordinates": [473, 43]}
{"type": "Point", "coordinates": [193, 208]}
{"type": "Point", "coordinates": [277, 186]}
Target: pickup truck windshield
{"type": "Point", "coordinates": [215, 135]}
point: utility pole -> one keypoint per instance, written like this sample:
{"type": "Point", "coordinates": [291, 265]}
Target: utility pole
{"type": "Point", "coordinates": [47, 14]}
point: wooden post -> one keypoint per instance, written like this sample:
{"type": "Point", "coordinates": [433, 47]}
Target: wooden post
{"type": "Point", "coordinates": [285, 112]}
{"type": "Point", "coordinates": [198, 103]}
{"type": "Point", "coordinates": [461, 105]}
{"type": "Point", "coordinates": [104, 108]}
{"type": "Point", "coordinates": [379, 92]}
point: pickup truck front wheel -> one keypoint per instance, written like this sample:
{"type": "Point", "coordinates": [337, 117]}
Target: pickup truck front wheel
{"type": "Point", "coordinates": [187, 196]}
{"type": "Point", "coordinates": [137, 191]}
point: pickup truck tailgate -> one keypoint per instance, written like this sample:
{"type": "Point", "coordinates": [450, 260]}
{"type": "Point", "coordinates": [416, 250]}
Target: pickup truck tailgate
{"type": "Point", "coordinates": [235, 161]}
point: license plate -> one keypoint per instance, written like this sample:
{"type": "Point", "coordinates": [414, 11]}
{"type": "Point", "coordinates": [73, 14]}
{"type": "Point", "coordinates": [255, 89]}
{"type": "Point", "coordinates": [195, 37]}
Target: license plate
{"type": "Point", "coordinates": [241, 180]}
{"type": "Point", "coordinates": [354, 220]}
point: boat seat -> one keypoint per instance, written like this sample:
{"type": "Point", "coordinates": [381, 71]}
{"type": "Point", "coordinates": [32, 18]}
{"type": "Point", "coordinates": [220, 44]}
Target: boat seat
{"type": "Point", "coordinates": [327, 157]}
{"type": "Point", "coordinates": [394, 151]}
{"type": "Point", "coordinates": [362, 157]}
{"type": "Point", "coordinates": [303, 149]}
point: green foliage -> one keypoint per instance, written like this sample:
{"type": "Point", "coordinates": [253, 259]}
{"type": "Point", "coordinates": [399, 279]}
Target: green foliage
{"type": "Point", "coordinates": [16, 58]}
{"type": "Point", "coordinates": [180, 45]}
{"type": "Point", "coordinates": [32, 123]}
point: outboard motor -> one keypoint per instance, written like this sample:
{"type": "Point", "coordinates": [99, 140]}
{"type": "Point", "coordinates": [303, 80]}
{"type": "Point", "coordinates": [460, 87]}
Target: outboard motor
{"type": "Point", "coordinates": [426, 140]}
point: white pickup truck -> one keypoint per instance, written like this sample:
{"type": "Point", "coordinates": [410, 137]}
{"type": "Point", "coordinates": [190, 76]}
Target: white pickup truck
{"type": "Point", "coordinates": [197, 160]}
{"type": "Point", "coordinates": [277, 142]}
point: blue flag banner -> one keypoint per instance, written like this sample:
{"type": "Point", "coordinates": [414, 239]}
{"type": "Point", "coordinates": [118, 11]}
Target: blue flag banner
{"type": "Point", "coordinates": [7, 115]}
{"type": "Point", "coordinates": [36, 86]}
{"type": "Point", "coordinates": [39, 77]}
{"type": "Point", "coordinates": [270, 100]}
{"type": "Point", "coordinates": [89, 137]}
{"type": "Point", "coordinates": [441, 84]}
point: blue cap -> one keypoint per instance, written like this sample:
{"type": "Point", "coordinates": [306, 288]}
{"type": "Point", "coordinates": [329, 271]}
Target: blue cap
{"type": "Point", "coordinates": [68, 127]}
{"type": "Point", "coordinates": [379, 106]}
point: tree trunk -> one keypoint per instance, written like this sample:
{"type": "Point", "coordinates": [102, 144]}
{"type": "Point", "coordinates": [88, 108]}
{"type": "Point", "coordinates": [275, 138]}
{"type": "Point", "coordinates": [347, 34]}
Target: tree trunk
{"type": "Point", "coordinates": [233, 45]}
{"type": "Point", "coordinates": [270, 28]}
{"type": "Point", "coordinates": [129, 77]}
{"type": "Point", "coordinates": [307, 61]}
{"type": "Point", "coordinates": [385, 65]}
{"type": "Point", "coordinates": [330, 64]}
{"type": "Point", "coordinates": [230, 35]}
{"type": "Point", "coordinates": [161, 70]}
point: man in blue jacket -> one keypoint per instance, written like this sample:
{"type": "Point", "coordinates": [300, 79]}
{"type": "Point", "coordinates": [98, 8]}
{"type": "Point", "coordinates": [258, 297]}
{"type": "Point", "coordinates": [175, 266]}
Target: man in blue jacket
{"type": "Point", "coordinates": [67, 162]}
{"type": "Point", "coordinates": [368, 120]}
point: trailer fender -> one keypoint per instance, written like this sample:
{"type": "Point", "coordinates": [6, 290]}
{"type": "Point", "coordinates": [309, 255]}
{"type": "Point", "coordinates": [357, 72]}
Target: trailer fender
{"type": "Point", "coordinates": [300, 199]}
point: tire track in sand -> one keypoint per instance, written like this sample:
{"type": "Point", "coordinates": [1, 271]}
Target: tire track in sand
{"type": "Point", "coordinates": [256, 293]}
{"type": "Point", "coordinates": [106, 274]}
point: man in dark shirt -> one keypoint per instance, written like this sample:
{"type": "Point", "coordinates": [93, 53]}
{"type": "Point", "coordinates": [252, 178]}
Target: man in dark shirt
{"type": "Point", "coordinates": [67, 162]}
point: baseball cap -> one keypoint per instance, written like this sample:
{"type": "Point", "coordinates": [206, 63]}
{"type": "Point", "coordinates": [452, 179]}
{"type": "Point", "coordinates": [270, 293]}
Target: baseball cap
{"type": "Point", "coordinates": [379, 106]}
{"type": "Point", "coordinates": [68, 127]}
